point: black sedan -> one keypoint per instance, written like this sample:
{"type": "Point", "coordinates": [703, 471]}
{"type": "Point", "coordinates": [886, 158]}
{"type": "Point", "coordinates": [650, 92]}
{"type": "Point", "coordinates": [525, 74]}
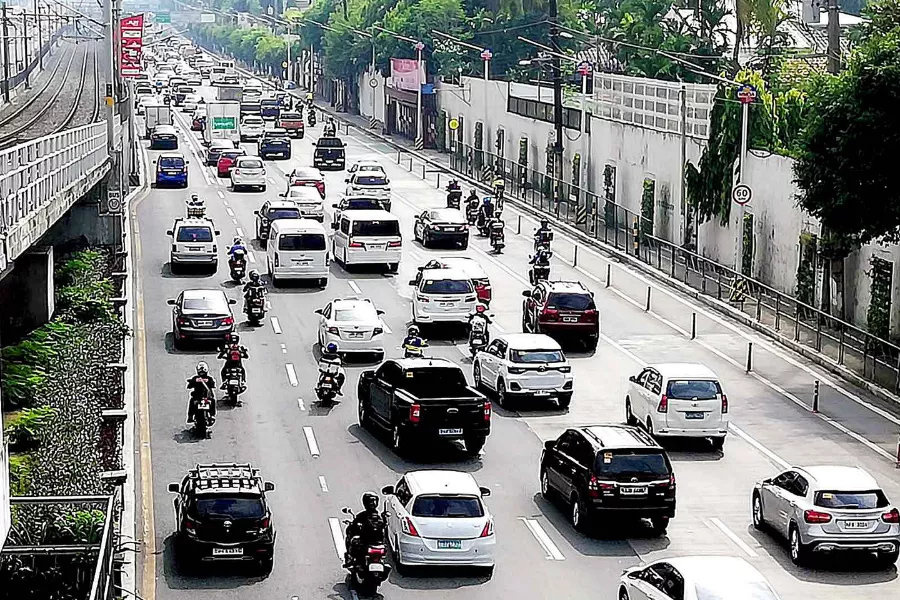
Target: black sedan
{"type": "Point", "coordinates": [441, 225]}
{"type": "Point", "coordinates": [201, 315]}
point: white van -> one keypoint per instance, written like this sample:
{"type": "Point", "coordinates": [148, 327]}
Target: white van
{"type": "Point", "coordinates": [367, 237]}
{"type": "Point", "coordinates": [297, 249]}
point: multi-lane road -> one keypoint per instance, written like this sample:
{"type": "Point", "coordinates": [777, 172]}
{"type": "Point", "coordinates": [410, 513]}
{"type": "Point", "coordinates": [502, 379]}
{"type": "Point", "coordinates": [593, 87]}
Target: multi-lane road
{"type": "Point", "coordinates": [321, 460]}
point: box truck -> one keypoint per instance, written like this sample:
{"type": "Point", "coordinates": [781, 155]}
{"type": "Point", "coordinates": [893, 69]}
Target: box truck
{"type": "Point", "coordinates": [156, 114]}
{"type": "Point", "coordinates": [223, 121]}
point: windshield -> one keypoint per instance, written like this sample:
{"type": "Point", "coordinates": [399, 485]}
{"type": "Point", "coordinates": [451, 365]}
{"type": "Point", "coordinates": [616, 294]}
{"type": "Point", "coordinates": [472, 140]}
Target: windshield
{"type": "Point", "coordinates": [565, 301]}
{"type": "Point", "coordinates": [376, 228]}
{"type": "Point", "coordinates": [851, 500]}
{"type": "Point", "coordinates": [283, 213]}
{"type": "Point", "coordinates": [536, 356]}
{"type": "Point", "coordinates": [206, 304]}
{"type": "Point", "coordinates": [730, 590]}
{"type": "Point", "coordinates": [301, 241]}
{"type": "Point", "coordinates": [614, 464]}
{"type": "Point", "coordinates": [250, 164]}
{"type": "Point", "coordinates": [270, 103]}
{"type": "Point", "coordinates": [683, 389]}
{"type": "Point", "coordinates": [360, 204]}
{"type": "Point", "coordinates": [371, 180]}
{"type": "Point", "coordinates": [448, 507]}
{"type": "Point", "coordinates": [329, 143]}
{"type": "Point", "coordinates": [194, 234]}
{"type": "Point", "coordinates": [171, 162]}
{"type": "Point", "coordinates": [357, 313]}
{"type": "Point", "coordinates": [231, 154]}
{"type": "Point", "coordinates": [234, 507]}
{"type": "Point", "coordinates": [290, 116]}
{"type": "Point", "coordinates": [447, 286]}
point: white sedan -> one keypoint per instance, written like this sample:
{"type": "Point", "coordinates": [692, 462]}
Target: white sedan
{"type": "Point", "coordinates": [354, 325]}
{"type": "Point", "coordinates": [695, 578]}
{"type": "Point", "coordinates": [191, 102]}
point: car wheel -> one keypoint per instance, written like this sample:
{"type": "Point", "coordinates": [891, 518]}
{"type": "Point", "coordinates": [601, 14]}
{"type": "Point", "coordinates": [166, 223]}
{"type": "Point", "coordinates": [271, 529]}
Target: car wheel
{"type": "Point", "coordinates": [262, 188]}
{"type": "Point", "coordinates": [887, 559]}
{"type": "Point", "coordinates": [398, 440]}
{"type": "Point", "coordinates": [362, 412]}
{"type": "Point", "coordinates": [503, 398]}
{"type": "Point", "coordinates": [564, 400]}
{"type": "Point", "coordinates": [464, 244]}
{"type": "Point", "coordinates": [718, 443]}
{"type": "Point", "coordinates": [474, 444]}
{"type": "Point", "coordinates": [629, 414]}
{"type": "Point", "coordinates": [398, 557]}
{"type": "Point", "coordinates": [476, 376]}
{"type": "Point", "coordinates": [659, 525]}
{"type": "Point", "coordinates": [415, 235]}
{"type": "Point", "coordinates": [176, 342]}
{"type": "Point", "coordinates": [759, 521]}
{"type": "Point", "coordinates": [392, 267]}
{"type": "Point", "coordinates": [426, 239]}
{"type": "Point", "coordinates": [578, 514]}
{"type": "Point", "coordinates": [546, 490]}
{"type": "Point", "coordinates": [265, 565]}
{"type": "Point", "coordinates": [623, 594]}
{"type": "Point", "coordinates": [590, 345]}
{"type": "Point", "coordinates": [524, 322]}
{"type": "Point", "coordinates": [649, 426]}
{"type": "Point", "coordinates": [799, 550]}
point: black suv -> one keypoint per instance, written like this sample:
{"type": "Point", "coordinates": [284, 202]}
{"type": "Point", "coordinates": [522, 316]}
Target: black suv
{"type": "Point", "coordinates": [329, 153]}
{"type": "Point", "coordinates": [564, 310]}
{"type": "Point", "coordinates": [223, 515]}
{"type": "Point", "coordinates": [609, 471]}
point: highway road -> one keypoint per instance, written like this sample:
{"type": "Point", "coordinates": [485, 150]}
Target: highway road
{"type": "Point", "coordinates": [320, 460]}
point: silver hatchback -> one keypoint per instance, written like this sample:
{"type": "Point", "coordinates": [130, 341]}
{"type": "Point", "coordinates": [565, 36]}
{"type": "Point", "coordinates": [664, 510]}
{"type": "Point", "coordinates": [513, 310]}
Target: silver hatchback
{"type": "Point", "coordinates": [828, 509]}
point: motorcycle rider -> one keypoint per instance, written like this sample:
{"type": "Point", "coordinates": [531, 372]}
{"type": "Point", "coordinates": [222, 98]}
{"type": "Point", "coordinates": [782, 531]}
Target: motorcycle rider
{"type": "Point", "coordinates": [498, 186]}
{"type": "Point", "coordinates": [330, 364]}
{"type": "Point", "coordinates": [196, 208]}
{"type": "Point", "coordinates": [454, 194]}
{"type": "Point", "coordinates": [330, 128]}
{"type": "Point", "coordinates": [485, 214]}
{"type": "Point", "coordinates": [234, 354]}
{"type": "Point", "coordinates": [481, 315]}
{"type": "Point", "coordinates": [254, 287]}
{"type": "Point", "coordinates": [543, 236]}
{"type": "Point", "coordinates": [202, 385]}
{"type": "Point", "coordinates": [473, 204]}
{"type": "Point", "coordinates": [413, 338]}
{"type": "Point", "coordinates": [367, 529]}
{"type": "Point", "coordinates": [496, 230]}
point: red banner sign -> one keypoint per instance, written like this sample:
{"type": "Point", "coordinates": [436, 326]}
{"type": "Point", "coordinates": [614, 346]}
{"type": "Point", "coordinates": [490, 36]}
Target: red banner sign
{"type": "Point", "coordinates": [131, 43]}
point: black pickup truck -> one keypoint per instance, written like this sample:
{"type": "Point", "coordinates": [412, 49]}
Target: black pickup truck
{"type": "Point", "coordinates": [423, 398]}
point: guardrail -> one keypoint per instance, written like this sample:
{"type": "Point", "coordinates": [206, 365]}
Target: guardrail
{"type": "Point", "coordinates": [42, 178]}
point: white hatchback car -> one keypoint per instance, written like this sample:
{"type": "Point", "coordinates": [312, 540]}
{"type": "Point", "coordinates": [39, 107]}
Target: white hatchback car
{"type": "Point", "coordinates": [353, 324]}
{"type": "Point", "coordinates": [252, 127]}
{"type": "Point", "coordinates": [678, 400]}
{"type": "Point", "coordinates": [520, 365]}
{"type": "Point", "coordinates": [248, 172]}
{"type": "Point", "coordinates": [308, 200]}
{"type": "Point", "coordinates": [439, 518]}
{"type": "Point", "coordinates": [442, 296]}
{"type": "Point", "coordinates": [695, 578]}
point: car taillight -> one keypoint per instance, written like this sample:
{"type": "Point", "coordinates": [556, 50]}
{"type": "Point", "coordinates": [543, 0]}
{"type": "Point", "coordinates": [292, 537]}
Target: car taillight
{"type": "Point", "coordinates": [487, 411]}
{"type": "Point", "coordinates": [227, 321]}
{"type": "Point", "coordinates": [276, 259]}
{"type": "Point", "coordinates": [190, 526]}
{"type": "Point", "coordinates": [395, 244]}
{"type": "Point", "coordinates": [488, 529]}
{"type": "Point", "coordinates": [264, 524]}
{"type": "Point", "coordinates": [333, 330]}
{"type": "Point", "coordinates": [376, 551]}
{"type": "Point", "coordinates": [415, 412]}
{"type": "Point", "coordinates": [893, 516]}
{"type": "Point", "coordinates": [320, 185]}
{"type": "Point", "coordinates": [377, 331]}
{"type": "Point", "coordinates": [184, 322]}
{"type": "Point", "coordinates": [408, 528]}
{"type": "Point", "coordinates": [663, 406]}
{"type": "Point", "coordinates": [672, 481]}
{"type": "Point", "coordinates": [814, 516]}
{"type": "Point", "coordinates": [724, 404]}
{"type": "Point", "coordinates": [589, 316]}
{"type": "Point", "coordinates": [356, 244]}
{"type": "Point", "coordinates": [595, 486]}
{"type": "Point", "coordinates": [549, 314]}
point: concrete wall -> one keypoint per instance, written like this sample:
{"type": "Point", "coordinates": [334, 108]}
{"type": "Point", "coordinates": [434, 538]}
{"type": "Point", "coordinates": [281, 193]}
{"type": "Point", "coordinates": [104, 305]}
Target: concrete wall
{"type": "Point", "coordinates": [371, 99]}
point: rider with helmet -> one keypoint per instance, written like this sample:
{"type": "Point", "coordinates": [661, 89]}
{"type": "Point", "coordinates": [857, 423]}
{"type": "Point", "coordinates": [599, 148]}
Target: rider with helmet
{"type": "Point", "coordinates": [254, 285]}
{"type": "Point", "coordinates": [413, 339]}
{"type": "Point", "coordinates": [234, 354]}
{"type": "Point", "coordinates": [485, 213]}
{"type": "Point", "coordinates": [367, 529]}
{"type": "Point", "coordinates": [543, 236]}
{"type": "Point", "coordinates": [201, 385]}
{"type": "Point", "coordinates": [330, 364]}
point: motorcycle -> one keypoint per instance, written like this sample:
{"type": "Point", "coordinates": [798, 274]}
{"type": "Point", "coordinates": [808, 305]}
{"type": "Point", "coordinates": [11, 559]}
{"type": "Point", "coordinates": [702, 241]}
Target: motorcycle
{"type": "Point", "coordinates": [410, 351]}
{"type": "Point", "coordinates": [234, 385]}
{"type": "Point", "coordinates": [238, 265]}
{"type": "Point", "coordinates": [367, 574]}
{"type": "Point", "coordinates": [472, 212]}
{"type": "Point", "coordinates": [499, 186]}
{"type": "Point", "coordinates": [453, 199]}
{"type": "Point", "coordinates": [203, 419]}
{"type": "Point", "coordinates": [497, 236]}
{"type": "Point", "coordinates": [255, 308]}
{"type": "Point", "coordinates": [538, 273]}
{"type": "Point", "coordinates": [312, 117]}
{"type": "Point", "coordinates": [326, 388]}
{"type": "Point", "coordinates": [478, 335]}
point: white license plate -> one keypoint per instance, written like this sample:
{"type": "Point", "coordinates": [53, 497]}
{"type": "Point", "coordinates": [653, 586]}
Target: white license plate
{"type": "Point", "coordinates": [233, 382]}
{"type": "Point", "coordinates": [541, 394]}
{"type": "Point", "coordinates": [375, 247]}
{"type": "Point", "coordinates": [855, 524]}
{"type": "Point", "coordinates": [450, 431]}
{"type": "Point", "coordinates": [449, 544]}
{"type": "Point", "coordinates": [356, 334]}
{"type": "Point", "coordinates": [302, 261]}
{"type": "Point", "coordinates": [448, 303]}
{"type": "Point", "coordinates": [195, 249]}
{"type": "Point", "coordinates": [694, 415]}
{"type": "Point", "coordinates": [326, 386]}
{"type": "Point", "coordinates": [633, 491]}
{"type": "Point", "coordinates": [204, 323]}
{"type": "Point", "coordinates": [376, 567]}
{"type": "Point", "coordinates": [570, 319]}
{"type": "Point", "coordinates": [228, 552]}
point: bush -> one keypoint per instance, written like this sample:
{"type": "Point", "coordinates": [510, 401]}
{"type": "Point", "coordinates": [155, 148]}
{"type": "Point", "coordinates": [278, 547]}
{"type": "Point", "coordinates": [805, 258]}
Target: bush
{"type": "Point", "coordinates": [23, 429]}
{"type": "Point", "coordinates": [21, 467]}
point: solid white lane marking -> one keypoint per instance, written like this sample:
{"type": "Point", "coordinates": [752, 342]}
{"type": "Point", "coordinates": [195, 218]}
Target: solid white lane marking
{"type": "Point", "coordinates": [230, 212]}
{"type": "Point", "coordinates": [292, 374]}
{"type": "Point", "coordinates": [251, 257]}
{"type": "Point", "coordinates": [300, 404]}
{"type": "Point", "coordinates": [222, 195]}
{"type": "Point", "coordinates": [240, 232]}
{"type": "Point", "coordinates": [337, 535]}
{"type": "Point", "coordinates": [543, 539]}
{"type": "Point", "coordinates": [733, 537]}
{"type": "Point", "coordinates": [387, 329]}
{"type": "Point", "coordinates": [354, 287]}
{"type": "Point", "coordinates": [322, 485]}
{"type": "Point", "coordinates": [283, 349]}
{"type": "Point", "coordinates": [752, 441]}
{"type": "Point", "coordinates": [311, 441]}
{"type": "Point", "coordinates": [276, 325]}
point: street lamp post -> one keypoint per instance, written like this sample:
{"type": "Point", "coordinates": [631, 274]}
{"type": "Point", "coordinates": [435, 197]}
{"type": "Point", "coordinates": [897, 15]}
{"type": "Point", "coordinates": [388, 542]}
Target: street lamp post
{"type": "Point", "coordinates": [746, 94]}
{"type": "Point", "coordinates": [420, 142]}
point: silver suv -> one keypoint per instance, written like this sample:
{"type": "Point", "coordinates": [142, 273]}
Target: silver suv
{"type": "Point", "coordinates": [828, 509]}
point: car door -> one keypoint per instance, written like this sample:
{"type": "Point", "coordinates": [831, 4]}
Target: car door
{"type": "Point", "coordinates": [397, 507]}
{"type": "Point", "coordinates": [487, 361]}
{"type": "Point", "coordinates": [260, 215]}
{"type": "Point", "coordinates": [552, 458]}
{"type": "Point", "coordinates": [419, 225]}
{"type": "Point", "coordinates": [652, 390]}
{"type": "Point", "coordinates": [528, 310]}
{"type": "Point", "coordinates": [386, 378]}
{"type": "Point", "coordinates": [324, 315]}
{"type": "Point", "coordinates": [498, 359]}
{"type": "Point", "coordinates": [342, 237]}
{"type": "Point", "coordinates": [672, 584]}
{"type": "Point", "coordinates": [638, 396]}
{"type": "Point", "coordinates": [567, 468]}
{"type": "Point", "coordinates": [777, 501]}
{"type": "Point", "coordinates": [647, 585]}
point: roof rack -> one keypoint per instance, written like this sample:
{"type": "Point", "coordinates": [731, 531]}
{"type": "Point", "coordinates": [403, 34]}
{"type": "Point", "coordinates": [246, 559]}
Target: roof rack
{"type": "Point", "coordinates": [222, 475]}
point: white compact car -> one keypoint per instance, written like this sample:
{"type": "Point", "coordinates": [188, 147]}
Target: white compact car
{"type": "Point", "coordinates": [678, 400]}
{"type": "Point", "coordinates": [308, 200]}
{"type": "Point", "coordinates": [191, 102]}
{"type": "Point", "coordinates": [193, 243]}
{"type": "Point", "coordinates": [439, 518]}
{"type": "Point", "coordinates": [695, 578]}
{"type": "Point", "coordinates": [368, 183]}
{"type": "Point", "coordinates": [442, 296]}
{"type": "Point", "coordinates": [248, 172]}
{"type": "Point", "coordinates": [524, 365]}
{"type": "Point", "coordinates": [252, 128]}
{"type": "Point", "coordinates": [365, 165]}
{"type": "Point", "coordinates": [354, 325]}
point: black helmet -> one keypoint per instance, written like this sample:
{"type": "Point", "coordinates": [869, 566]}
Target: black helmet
{"type": "Point", "coordinates": [370, 500]}
{"type": "Point", "coordinates": [545, 222]}
{"type": "Point", "coordinates": [254, 275]}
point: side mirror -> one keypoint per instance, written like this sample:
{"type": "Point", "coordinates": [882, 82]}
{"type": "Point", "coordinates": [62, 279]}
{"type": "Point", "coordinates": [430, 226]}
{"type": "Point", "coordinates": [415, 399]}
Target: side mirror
{"type": "Point", "coordinates": [485, 492]}
{"type": "Point", "coordinates": [388, 490]}
{"type": "Point", "coordinates": [380, 312]}
{"type": "Point", "coordinates": [632, 379]}
{"type": "Point", "coordinates": [318, 311]}
{"type": "Point", "coordinates": [232, 301]}
{"type": "Point", "coordinates": [334, 206]}
{"type": "Point", "coordinates": [412, 282]}
{"type": "Point", "coordinates": [347, 180]}
{"type": "Point", "coordinates": [334, 226]}
{"type": "Point", "coordinates": [170, 302]}
{"type": "Point", "coordinates": [526, 293]}
{"type": "Point", "coordinates": [187, 162]}
{"type": "Point", "coordinates": [548, 445]}
{"type": "Point", "coordinates": [634, 575]}
{"type": "Point", "coordinates": [170, 232]}
{"type": "Point", "coordinates": [283, 194]}
{"type": "Point", "coordinates": [255, 212]}
{"type": "Point", "coordinates": [269, 486]}
{"type": "Point", "coordinates": [217, 232]}
{"type": "Point", "coordinates": [173, 487]}
{"type": "Point", "coordinates": [346, 511]}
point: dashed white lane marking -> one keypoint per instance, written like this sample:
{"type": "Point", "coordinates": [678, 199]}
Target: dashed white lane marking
{"type": "Point", "coordinates": [301, 405]}
{"type": "Point", "coordinates": [230, 212]}
{"type": "Point", "coordinates": [543, 539]}
{"type": "Point", "coordinates": [338, 536]}
{"type": "Point", "coordinates": [355, 287]}
{"type": "Point", "coordinates": [272, 181]}
{"type": "Point", "coordinates": [222, 196]}
{"type": "Point", "coordinates": [276, 325]}
{"type": "Point", "coordinates": [733, 537]}
{"type": "Point", "coordinates": [283, 349]}
{"type": "Point", "coordinates": [322, 484]}
{"type": "Point", "coordinates": [240, 232]}
{"type": "Point", "coordinates": [311, 441]}
{"type": "Point", "coordinates": [292, 374]}
{"type": "Point", "coordinates": [413, 253]}
{"type": "Point", "coordinates": [251, 257]}
{"type": "Point", "coordinates": [234, 221]}
{"type": "Point", "coordinates": [387, 329]}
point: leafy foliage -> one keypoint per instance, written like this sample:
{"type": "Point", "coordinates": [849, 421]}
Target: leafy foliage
{"type": "Point", "coordinates": [24, 428]}
{"type": "Point", "coordinates": [878, 316]}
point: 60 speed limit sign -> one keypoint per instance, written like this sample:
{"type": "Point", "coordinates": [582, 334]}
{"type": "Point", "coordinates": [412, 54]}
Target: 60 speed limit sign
{"type": "Point", "coordinates": [741, 193]}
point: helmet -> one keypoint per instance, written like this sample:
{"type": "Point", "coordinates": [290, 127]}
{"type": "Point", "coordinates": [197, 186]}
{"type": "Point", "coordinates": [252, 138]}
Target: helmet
{"type": "Point", "coordinates": [370, 500]}
{"type": "Point", "coordinates": [234, 339]}
{"type": "Point", "coordinates": [253, 275]}
{"type": "Point", "coordinates": [331, 348]}
{"type": "Point", "coordinates": [237, 240]}
{"type": "Point", "coordinates": [195, 198]}
{"type": "Point", "coordinates": [487, 201]}
{"type": "Point", "coordinates": [413, 331]}
{"type": "Point", "coordinates": [480, 308]}
{"type": "Point", "coordinates": [202, 368]}
{"type": "Point", "coordinates": [545, 222]}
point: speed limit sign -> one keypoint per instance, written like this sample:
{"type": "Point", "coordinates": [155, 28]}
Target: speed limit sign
{"type": "Point", "coordinates": [741, 193]}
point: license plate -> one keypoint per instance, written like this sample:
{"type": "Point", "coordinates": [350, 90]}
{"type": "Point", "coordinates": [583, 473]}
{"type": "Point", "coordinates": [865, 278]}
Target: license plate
{"type": "Point", "coordinates": [375, 247]}
{"type": "Point", "coordinates": [356, 334]}
{"type": "Point", "coordinates": [228, 552]}
{"type": "Point", "coordinates": [204, 323]}
{"type": "Point", "coordinates": [449, 544]}
{"type": "Point", "coordinates": [195, 248]}
{"type": "Point", "coordinates": [542, 393]}
{"type": "Point", "coordinates": [302, 261]}
{"type": "Point", "coordinates": [376, 567]}
{"type": "Point", "coordinates": [450, 431]}
{"type": "Point", "coordinates": [233, 382]}
{"type": "Point", "coordinates": [570, 319]}
{"type": "Point", "coordinates": [633, 491]}
{"type": "Point", "coordinates": [855, 524]}
{"type": "Point", "coordinates": [693, 415]}
{"type": "Point", "coordinates": [326, 386]}
{"type": "Point", "coordinates": [447, 303]}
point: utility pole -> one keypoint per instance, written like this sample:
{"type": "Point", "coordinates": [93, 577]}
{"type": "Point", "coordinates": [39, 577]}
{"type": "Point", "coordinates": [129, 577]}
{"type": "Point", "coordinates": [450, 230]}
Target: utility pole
{"type": "Point", "coordinates": [834, 37]}
{"type": "Point", "coordinates": [5, 54]}
{"type": "Point", "coordinates": [40, 41]}
{"type": "Point", "coordinates": [25, 43]}
{"type": "Point", "coordinates": [557, 98]}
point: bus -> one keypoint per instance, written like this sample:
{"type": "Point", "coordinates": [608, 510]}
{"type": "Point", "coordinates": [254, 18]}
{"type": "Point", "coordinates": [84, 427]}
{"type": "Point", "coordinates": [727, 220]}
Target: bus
{"type": "Point", "coordinates": [224, 68]}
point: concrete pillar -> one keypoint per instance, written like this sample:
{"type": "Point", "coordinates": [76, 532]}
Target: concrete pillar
{"type": "Point", "coordinates": [27, 295]}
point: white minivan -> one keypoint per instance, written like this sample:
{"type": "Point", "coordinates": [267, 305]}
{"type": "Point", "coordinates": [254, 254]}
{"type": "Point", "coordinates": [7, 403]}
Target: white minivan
{"type": "Point", "coordinates": [367, 237]}
{"type": "Point", "coordinates": [297, 249]}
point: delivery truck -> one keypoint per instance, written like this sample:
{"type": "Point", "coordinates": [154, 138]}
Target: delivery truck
{"type": "Point", "coordinates": [229, 92]}
{"type": "Point", "coordinates": [156, 114]}
{"type": "Point", "coordinates": [223, 121]}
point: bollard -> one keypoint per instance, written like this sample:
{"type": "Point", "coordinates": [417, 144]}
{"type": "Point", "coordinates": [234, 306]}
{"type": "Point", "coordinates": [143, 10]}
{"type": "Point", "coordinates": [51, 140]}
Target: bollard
{"type": "Point", "coordinates": [519, 225]}
{"type": "Point", "coordinates": [648, 299]}
{"type": "Point", "coordinates": [815, 408]}
{"type": "Point", "coordinates": [398, 157]}
{"type": "Point", "coordinates": [749, 356]}
{"type": "Point", "coordinates": [410, 164]}
{"type": "Point", "coordinates": [693, 325]}
{"type": "Point", "coordinates": [423, 171]}
{"type": "Point", "coordinates": [439, 181]}
{"type": "Point", "coordinates": [575, 257]}
{"type": "Point", "coordinates": [608, 274]}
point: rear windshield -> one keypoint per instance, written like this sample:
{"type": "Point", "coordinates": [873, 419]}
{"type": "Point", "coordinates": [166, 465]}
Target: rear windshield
{"type": "Point", "coordinates": [449, 507]}
{"type": "Point", "coordinates": [329, 143]}
{"type": "Point", "coordinates": [729, 590]}
{"type": "Point", "coordinates": [434, 382]}
{"type": "Point", "coordinates": [194, 234]}
{"type": "Point", "coordinates": [235, 507]}
{"type": "Point", "coordinates": [357, 313]}
{"type": "Point", "coordinates": [301, 241]}
{"type": "Point", "coordinates": [636, 463]}
{"type": "Point", "coordinates": [205, 304]}
{"type": "Point", "coordinates": [171, 163]}
{"type": "Point", "coordinates": [284, 213]}
{"type": "Point", "coordinates": [231, 154]}
{"type": "Point", "coordinates": [250, 164]}
{"type": "Point", "coordinates": [565, 301]}
{"type": "Point", "coordinates": [290, 116]}
{"type": "Point", "coordinates": [371, 180]}
{"type": "Point", "coordinates": [447, 286]}
{"type": "Point", "coordinates": [363, 204]}
{"type": "Point", "coordinates": [536, 356]}
{"type": "Point", "coordinates": [851, 500]}
{"type": "Point", "coordinates": [270, 103]}
{"type": "Point", "coordinates": [376, 228]}
{"type": "Point", "coordinates": [685, 389]}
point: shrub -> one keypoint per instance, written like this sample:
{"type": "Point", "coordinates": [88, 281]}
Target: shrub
{"type": "Point", "coordinates": [23, 429]}
{"type": "Point", "coordinates": [20, 471]}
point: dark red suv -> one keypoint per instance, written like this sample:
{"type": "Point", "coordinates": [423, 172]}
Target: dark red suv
{"type": "Point", "coordinates": [307, 176]}
{"type": "Point", "coordinates": [564, 310]}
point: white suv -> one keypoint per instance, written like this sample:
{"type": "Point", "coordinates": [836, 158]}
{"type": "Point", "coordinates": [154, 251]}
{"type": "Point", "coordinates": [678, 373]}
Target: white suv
{"type": "Point", "coordinates": [252, 128]}
{"type": "Point", "coordinates": [525, 365]}
{"type": "Point", "coordinates": [193, 243]}
{"type": "Point", "coordinates": [248, 172]}
{"type": "Point", "coordinates": [442, 296]}
{"type": "Point", "coordinates": [365, 182]}
{"type": "Point", "coordinates": [678, 400]}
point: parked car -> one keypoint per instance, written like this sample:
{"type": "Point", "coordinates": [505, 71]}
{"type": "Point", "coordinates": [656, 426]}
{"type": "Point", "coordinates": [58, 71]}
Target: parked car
{"type": "Point", "coordinates": [564, 310]}
{"type": "Point", "coordinates": [272, 210]}
{"type": "Point", "coordinates": [447, 225]}
{"type": "Point", "coordinates": [695, 578]}
{"type": "Point", "coordinates": [193, 243]}
{"type": "Point", "coordinates": [226, 161]}
{"type": "Point", "coordinates": [354, 325]}
{"type": "Point", "coordinates": [248, 172]}
{"type": "Point", "coordinates": [201, 315]}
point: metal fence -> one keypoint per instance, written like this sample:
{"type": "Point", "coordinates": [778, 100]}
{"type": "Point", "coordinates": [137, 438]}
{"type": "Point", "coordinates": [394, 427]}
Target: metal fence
{"type": "Point", "coordinates": [872, 358]}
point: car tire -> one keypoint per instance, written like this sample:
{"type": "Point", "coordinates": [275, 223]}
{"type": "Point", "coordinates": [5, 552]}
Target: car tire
{"type": "Point", "coordinates": [659, 525]}
{"type": "Point", "coordinates": [798, 550]}
{"type": "Point", "coordinates": [392, 267]}
{"type": "Point", "coordinates": [648, 425]}
{"type": "Point", "coordinates": [262, 188]}
{"type": "Point", "coordinates": [265, 566]}
{"type": "Point", "coordinates": [323, 283]}
{"type": "Point", "coordinates": [564, 400]}
{"type": "Point", "coordinates": [503, 399]}
{"type": "Point", "coordinates": [398, 440]}
{"type": "Point", "coordinates": [398, 558]}
{"type": "Point", "coordinates": [756, 511]}
{"type": "Point", "coordinates": [718, 443]}
{"type": "Point", "coordinates": [464, 245]}
{"type": "Point", "coordinates": [426, 239]}
{"type": "Point", "coordinates": [362, 413]}
{"type": "Point", "coordinates": [623, 594]}
{"type": "Point", "coordinates": [591, 345]}
{"type": "Point", "coordinates": [630, 419]}
{"type": "Point", "coordinates": [476, 377]}
{"type": "Point", "coordinates": [888, 559]}
{"type": "Point", "coordinates": [379, 356]}
{"type": "Point", "coordinates": [578, 514]}
{"type": "Point", "coordinates": [546, 490]}
{"type": "Point", "coordinates": [524, 322]}
{"type": "Point", "coordinates": [474, 444]}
